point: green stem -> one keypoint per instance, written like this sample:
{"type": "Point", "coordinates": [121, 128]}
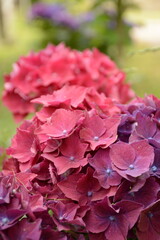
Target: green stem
{"type": "Point", "coordinates": [2, 28]}
{"type": "Point", "coordinates": [119, 21]}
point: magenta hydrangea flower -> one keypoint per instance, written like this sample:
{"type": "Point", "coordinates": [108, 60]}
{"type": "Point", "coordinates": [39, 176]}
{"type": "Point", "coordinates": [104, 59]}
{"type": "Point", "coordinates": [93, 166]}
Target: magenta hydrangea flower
{"type": "Point", "coordinates": [132, 160]}
{"type": "Point", "coordinates": [99, 132]}
{"type": "Point", "coordinates": [114, 221]}
{"type": "Point", "coordinates": [146, 128]}
{"type": "Point", "coordinates": [71, 157]}
{"type": "Point", "coordinates": [155, 168]}
{"type": "Point", "coordinates": [25, 144]}
{"type": "Point", "coordinates": [148, 224]}
{"type": "Point", "coordinates": [17, 207]}
{"type": "Point", "coordinates": [25, 230]}
{"type": "Point", "coordinates": [143, 195]}
{"type": "Point", "coordinates": [84, 167]}
{"type": "Point", "coordinates": [85, 188]}
{"type": "Point", "coordinates": [62, 123]}
{"type": "Point", "coordinates": [104, 172]}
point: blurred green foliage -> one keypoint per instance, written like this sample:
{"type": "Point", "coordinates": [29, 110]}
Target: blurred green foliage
{"type": "Point", "coordinates": [108, 30]}
{"type": "Point", "coordinates": [143, 71]}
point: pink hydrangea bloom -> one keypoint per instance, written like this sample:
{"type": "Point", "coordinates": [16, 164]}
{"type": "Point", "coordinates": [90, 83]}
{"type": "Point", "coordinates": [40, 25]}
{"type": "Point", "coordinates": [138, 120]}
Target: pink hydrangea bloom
{"type": "Point", "coordinates": [50, 69]}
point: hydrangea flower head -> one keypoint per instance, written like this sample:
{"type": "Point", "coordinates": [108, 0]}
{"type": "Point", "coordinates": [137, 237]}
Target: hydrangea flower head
{"type": "Point", "coordinates": [55, 66]}
{"type": "Point", "coordinates": [83, 169]}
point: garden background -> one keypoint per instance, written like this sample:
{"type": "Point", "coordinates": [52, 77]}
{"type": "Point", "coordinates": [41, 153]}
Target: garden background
{"type": "Point", "coordinates": [137, 51]}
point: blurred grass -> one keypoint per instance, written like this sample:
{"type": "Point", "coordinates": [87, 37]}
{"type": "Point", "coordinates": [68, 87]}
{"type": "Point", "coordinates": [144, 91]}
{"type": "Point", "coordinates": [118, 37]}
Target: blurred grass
{"type": "Point", "coordinates": [143, 70]}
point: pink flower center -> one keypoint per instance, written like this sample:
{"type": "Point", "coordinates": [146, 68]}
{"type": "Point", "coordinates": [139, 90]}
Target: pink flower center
{"type": "Point", "coordinates": [14, 191]}
{"type": "Point", "coordinates": [96, 138]}
{"type": "Point", "coordinates": [154, 169]}
{"type": "Point", "coordinates": [150, 215]}
{"type": "Point", "coordinates": [64, 132]}
{"type": "Point", "coordinates": [89, 193]}
{"type": "Point", "coordinates": [4, 220]}
{"type": "Point", "coordinates": [112, 218]}
{"type": "Point", "coordinates": [72, 158]}
{"type": "Point", "coordinates": [131, 166]}
{"type": "Point", "coordinates": [108, 171]}
{"type": "Point", "coordinates": [61, 217]}
{"type": "Point", "coordinates": [132, 194]}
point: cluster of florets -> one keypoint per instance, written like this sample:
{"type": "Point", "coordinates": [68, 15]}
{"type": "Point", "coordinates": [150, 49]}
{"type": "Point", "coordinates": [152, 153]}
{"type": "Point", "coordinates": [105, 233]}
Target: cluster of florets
{"type": "Point", "coordinates": [52, 68]}
{"type": "Point", "coordinates": [84, 168]}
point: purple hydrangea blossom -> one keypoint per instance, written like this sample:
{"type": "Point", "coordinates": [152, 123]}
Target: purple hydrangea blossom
{"type": "Point", "coordinates": [58, 15]}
